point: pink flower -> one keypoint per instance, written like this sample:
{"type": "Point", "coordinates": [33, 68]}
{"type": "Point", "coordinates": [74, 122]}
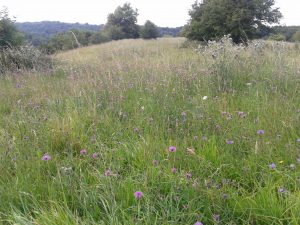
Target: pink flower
{"type": "Point", "coordinates": [83, 152]}
{"type": "Point", "coordinates": [198, 223]}
{"type": "Point", "coordinates": [94, 155]}
{"type": "Point", "coordinates": [172, 149]}
{"type": "Point", "coordinates": [107, 173]}
{"type": "Point", "coordinates": [174, 170]}
{"type": "Point", "coordinates": [46, 157]}
{"type": "Point", "coordinates": [138, 194]}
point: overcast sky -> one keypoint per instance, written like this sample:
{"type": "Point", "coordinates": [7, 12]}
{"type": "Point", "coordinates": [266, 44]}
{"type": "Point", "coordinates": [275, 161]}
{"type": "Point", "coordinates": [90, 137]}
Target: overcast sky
{"type": "Point", "coordinates": [170, 13]}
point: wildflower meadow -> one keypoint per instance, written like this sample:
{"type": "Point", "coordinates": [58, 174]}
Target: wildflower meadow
{"type": "Point", "coordinates": [152, 132]}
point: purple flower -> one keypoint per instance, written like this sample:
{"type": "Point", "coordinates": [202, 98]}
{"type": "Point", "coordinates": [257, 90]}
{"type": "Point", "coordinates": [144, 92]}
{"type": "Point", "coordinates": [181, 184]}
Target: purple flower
{"type": "Point", "coordinates": [188, 175]}
{"type": "Point", "coordinates": [241, 114]}
{"type": "Point", "coordinates": [46, 157]}
{"type": "Point", "coordinates": [260, 132]}
{"type": "Point", "coordinates": [218, 127]}
{"type": "Point", "coordinates": [138, 194]}
{"type": "Point", "coordinates": [225, 196]}
{"type": "Point", "coordinates": [298, 140]}
{"type": "Point", "coordinates": [172, 149]}
{"type": "Point", "coordinates": [155, 162]}
{"type": "Point", "coordinates": [272, 166]}
{"type": "Point", "coordinates": [196, 138]}
{"type": "Point", "coordinates": [281, 190]}
{"type": "Point", "coordinates": [174, 170]}
{"type": "Point", "coordinates": [94, 155]}
{"type": "Point", "coordinates": [216, 218]}
{"type": "Point", "coordinates": [198, 223]}
{"type": "Point", "coordinates": [298, 160]}
{"type": "Point", "coordinates": [83, 152]}
{"type": "Point", "coordinates": [229, 142]}
{"type": "Point", "coordinates": [107, 173]}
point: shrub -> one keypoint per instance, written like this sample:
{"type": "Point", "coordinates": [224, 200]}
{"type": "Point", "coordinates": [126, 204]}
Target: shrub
{"type": "Point", "coordinates": [25, 57]}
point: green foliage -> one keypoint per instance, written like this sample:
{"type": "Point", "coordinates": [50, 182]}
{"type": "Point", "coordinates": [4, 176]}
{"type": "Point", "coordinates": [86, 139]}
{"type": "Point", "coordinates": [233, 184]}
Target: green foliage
{"type": "Point", "coordinates": [277, 37]}
{"type": "Point", "coordinates": [149, 31]}
{"type": "Point", "coordinates": [212, 19]}
{"type": "Point", "coordinates": [9, 35]}
{"type": "Point", "coordinates": [128, 101]}
{"type": "Point", "coordinates": [24, 57]}
{"type": "Point", "coordinates": [296, 36]}
{"type": "Point", "coordinates": [73, 39]}
{"type": "Point", "coordinates": [287, 31]}
{"type": "Point", "coordinates": [122, 23]}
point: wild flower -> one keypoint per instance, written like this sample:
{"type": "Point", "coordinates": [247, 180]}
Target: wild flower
{"type": "Point", "coordinates": [241, 114]}
{"type": "Point", "coordinates": [204, 138]}
{"type": "Point", "coordinates": [46, 157]}
{"type": "Point", "coordinates": [138, 194]}
{"type": "Point", "coordinates": [281, 190]}
{"type": "Point", "coordinates": [298, 160]}
{"type": "Point", "coordinates": [83, 152]}
{"type": "Point", "coordinates": [218, 127]}
{"type": "Point", "coordinates": [196, 138]}
{"type": "Point", "coordinates": [229, 142]}
{"type": "Point", "coordinates": [172, 149]}
{"type": "Point", "coordinates": [298, 140]}
{"type": "Point", "coordinates": [198, 223]}
{"type": "Point", "coordinates": [107, 173]}
{"type": "Point", "coordinates": [292, 166]}
{"type": "Point", "coordinates": [225, 196]}
{"type": "Point", "coordinates": [216, 218]}
{"type": "Point", "coordinates": [272, 166]}
{"type": "Point", "coordinates": [155, 162]}
{"type": "Point", "coordinates": [188, 175]}
{"type": "Point", "coordinates": [260, 132]}
{"type": "Point", "coordinates": [94, 155]}
{"type": "Point", "coordinates": [205, 98]}
{"type": "Point", "coordinates": [173, 170]}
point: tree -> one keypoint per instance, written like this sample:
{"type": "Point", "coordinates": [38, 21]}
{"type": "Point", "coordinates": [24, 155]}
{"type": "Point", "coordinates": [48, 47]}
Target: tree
{"type": "Point", "coordinates": [149, 30]}
{"type": "Point", "coordinates": [122, 23]}
{"type": "Point", "coordinates": [296, 36]}
{"type": "Point", "coordinates": [9, 35]}
{"type": "Point", "coordinates": [242, 19]}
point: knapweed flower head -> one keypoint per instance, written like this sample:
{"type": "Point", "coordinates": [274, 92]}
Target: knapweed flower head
{"type": "Point", "coordinates": [172, 149]}
{"type": "Point", "coordinates": [138, 194]}
{"type": "Point", "coordinates": [155, 162]}
{"type": "Point", "coordinates": [46, 157]}
{"type": "Point", "coordinates": [225, 196]}
{"type": "Point", "coordinates": [196, 138]}
{"type": "Point", "coordinates": [281, 190]}
{"type": "Point", "coordinates": [260, 132]}
{"type": "Point", "coordinates": [83, 152]}
{"type": "Point", "coordinates": [173, 170]}
{"type": "Point", "coordinates": [298, 140]}
{"type": "Point", "coordinates": [198, 223]}
{"type": "Point", "coordinates": [241, 114]}
{"type": "Point", "coordinates": [229, 142]}
{"type": "Point", "coordinates": [107, 173]}
{"type": "Point", "coordinates": [272, 166]}
{"type": "Point", "coordinates": [188, 175]}
{"type": "Point", "coordinates": [94, 155]}
{"type": "Point", "coordinates": [216, 218]}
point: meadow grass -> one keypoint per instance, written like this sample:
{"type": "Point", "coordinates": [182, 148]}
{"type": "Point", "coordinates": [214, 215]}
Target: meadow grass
{"type": "Point", "coordinates": [231, 112]}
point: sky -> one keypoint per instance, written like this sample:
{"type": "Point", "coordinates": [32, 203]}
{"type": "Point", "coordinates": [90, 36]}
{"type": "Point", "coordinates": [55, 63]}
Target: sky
{"type": "Point", "coordinates": [171, 13]}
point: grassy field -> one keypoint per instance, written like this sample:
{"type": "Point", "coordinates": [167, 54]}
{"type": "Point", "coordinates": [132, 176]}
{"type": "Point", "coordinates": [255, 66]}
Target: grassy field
{"type": "Point", "coordinates": [148, 132]}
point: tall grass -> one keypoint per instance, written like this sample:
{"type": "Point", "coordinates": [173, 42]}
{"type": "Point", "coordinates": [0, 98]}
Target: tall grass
{"type": "Point", "coordinates": [128, 101]}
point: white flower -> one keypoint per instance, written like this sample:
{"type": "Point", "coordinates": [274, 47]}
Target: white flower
{"type": "Point", "coordinates": [205, 98]}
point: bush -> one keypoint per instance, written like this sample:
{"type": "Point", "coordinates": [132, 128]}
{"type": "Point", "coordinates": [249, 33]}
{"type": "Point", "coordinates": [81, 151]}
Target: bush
{"type": "Point", "coordinates": [277, 37]}
{"type": "Point", "coordinates": [24, 57]}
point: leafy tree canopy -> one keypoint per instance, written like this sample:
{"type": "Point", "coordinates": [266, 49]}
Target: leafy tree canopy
{"type": "Point", "coordinates": [9, 35]}
{"type": "Point", "coordinates": [122, 23]}
{"type": "Point", "coordinates": [242, 19]}
{"type": "Point", "coordinates": [149, 30]}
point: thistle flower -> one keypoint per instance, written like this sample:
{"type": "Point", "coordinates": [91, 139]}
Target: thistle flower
{"type": "Point", "coordinates": [174, 170]}
{"type": "Point", "coordinates": [198, 223]}
{"type": "Point", "coordinates": [94, 155]}
{"type": "Point", "coordinates": [46, 157]}
{"type": "Point", "coordinates": [172, 149]}
{"type": "Point", "coordinates": [107, 173]}
{"type": "Point", "coordinates": [138, 194]}
{"type": "Point", "coordinates": [272, 166]}
{"type": "Point", "coordinates": [260, 132]}
{"type": "Point", "coordinates": [83, 152]}
{"type": "Point", "coordinates": [155, 162]}
{"type": "Point", "coordinates": [188, 175]}
{"type": "Point", "coordinates": [281, 190]}
{"type": "Point", "coordinates": [229, 142]}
